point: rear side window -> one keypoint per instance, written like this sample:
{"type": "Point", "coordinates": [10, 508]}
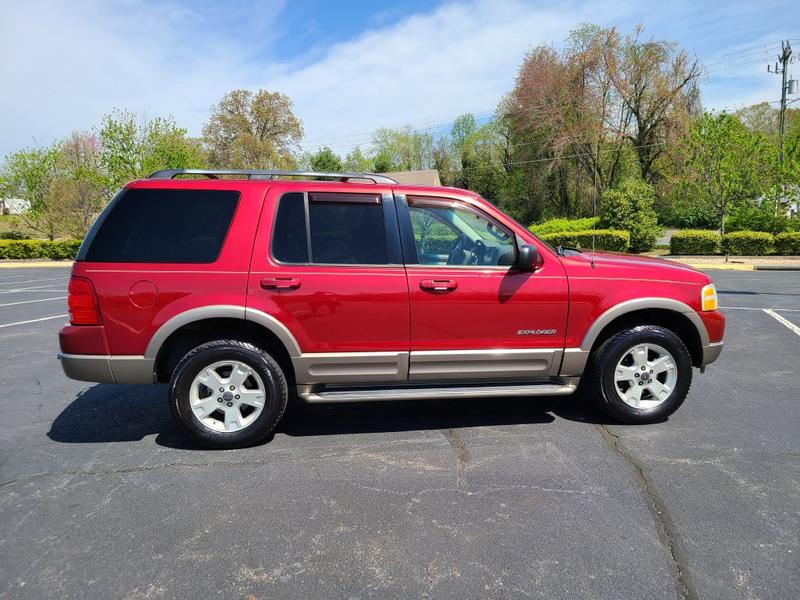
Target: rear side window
{"type": "Point", "coordinates": [343, 229]}
{"type": "Point", "coordinates": [163, 226]}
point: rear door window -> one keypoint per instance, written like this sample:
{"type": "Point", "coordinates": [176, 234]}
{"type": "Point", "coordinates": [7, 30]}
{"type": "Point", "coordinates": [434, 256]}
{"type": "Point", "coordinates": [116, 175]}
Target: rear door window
{"type": "Point", "coordinates": [162, 226]}
{"type": "Point", "coordinates": [343, 229]}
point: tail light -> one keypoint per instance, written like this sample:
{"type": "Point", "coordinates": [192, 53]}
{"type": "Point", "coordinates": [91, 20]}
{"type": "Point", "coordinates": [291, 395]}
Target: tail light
{"type": "Point", "coordinates": [82, 302]}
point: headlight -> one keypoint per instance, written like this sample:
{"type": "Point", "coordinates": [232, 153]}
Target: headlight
{"type": "Point", "coordinates": [708, 297]}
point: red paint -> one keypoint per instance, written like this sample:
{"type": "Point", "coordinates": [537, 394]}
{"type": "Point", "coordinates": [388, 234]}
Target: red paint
{"type": "Point", "coordinates": [373, 308]}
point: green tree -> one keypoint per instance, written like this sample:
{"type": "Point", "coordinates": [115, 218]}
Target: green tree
{"type": "Point", "coordinates": [728, 164]}
{"type": "Point", "coordinates": [325, 159]}
{"type": "Point", "coordinates": [30, 174]}
{"type": "Point", "coordinates": [81, 184]}
{"type": "Point", "coordinates": [249, 130]}
{"type": "Point", "coordinates": [132, 147]}
{"type": "Point", "coordinates": [356, 162]}
{"type": "Point", "coordinates": [630, 207]}
{"type": "Point", "coordinates": [402, 150]}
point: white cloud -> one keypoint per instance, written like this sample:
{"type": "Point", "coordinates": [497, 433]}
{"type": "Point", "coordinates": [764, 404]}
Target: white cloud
{"type": "Point", "coordinates": [65, 64]}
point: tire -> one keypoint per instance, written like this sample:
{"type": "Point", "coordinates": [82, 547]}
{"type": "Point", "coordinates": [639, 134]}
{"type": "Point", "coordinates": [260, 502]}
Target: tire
{"type": "Point", "coordinates": [248, 394]}
{"type": "Point", "coordinates": [615, 375]}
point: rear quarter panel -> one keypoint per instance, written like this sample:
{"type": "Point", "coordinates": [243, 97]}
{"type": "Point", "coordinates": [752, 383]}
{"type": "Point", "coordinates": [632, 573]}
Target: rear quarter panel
{"type": "Point", "coordinates": [179, 287]}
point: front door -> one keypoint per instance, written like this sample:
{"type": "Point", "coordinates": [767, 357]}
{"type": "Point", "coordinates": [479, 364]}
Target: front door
{"type": "Point", "coordinates": [472, 314]}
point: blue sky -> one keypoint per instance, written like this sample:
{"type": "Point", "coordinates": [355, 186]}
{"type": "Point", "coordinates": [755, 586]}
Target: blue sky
{"type": "Point", "coordinates": [350, 67]}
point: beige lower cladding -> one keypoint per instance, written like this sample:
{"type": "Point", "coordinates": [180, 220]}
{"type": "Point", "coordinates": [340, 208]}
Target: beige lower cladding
{"type": "Point", "coordinates": [357, 367]}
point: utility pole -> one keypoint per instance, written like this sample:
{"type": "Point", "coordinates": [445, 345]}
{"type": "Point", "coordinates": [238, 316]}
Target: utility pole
{"type": "Point", "coordinates": [783, 60]}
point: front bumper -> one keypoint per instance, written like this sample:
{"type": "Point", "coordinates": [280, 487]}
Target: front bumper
{"type": "Point", "coordinates": [711, 352]}
{"type": "Point", "coordinates": [108, 369]}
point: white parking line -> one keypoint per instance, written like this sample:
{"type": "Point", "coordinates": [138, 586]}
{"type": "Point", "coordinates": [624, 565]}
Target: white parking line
{"type": "Point", "coordinates": [758, 308]}
{"type": "Point", "coordinates": [32, 321]}
{"type": "Point", "coordinates": [36, 280]}
{"type": "Point", "coordinates": [32, 301]}
{"type": "Point", "coordinates": [39, 288]}
{"type": "Point", "coordinates": [780, 319]}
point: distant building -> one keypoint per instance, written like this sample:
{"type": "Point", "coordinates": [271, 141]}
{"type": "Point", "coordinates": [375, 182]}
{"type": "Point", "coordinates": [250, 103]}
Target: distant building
{"type": "Point", "coordinates": [427, 177]}
{"type": "Point", "coordinates": [13, 206]}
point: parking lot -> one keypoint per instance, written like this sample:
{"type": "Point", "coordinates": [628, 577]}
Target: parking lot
{"type": "Point", "coordinates": [101, 496]}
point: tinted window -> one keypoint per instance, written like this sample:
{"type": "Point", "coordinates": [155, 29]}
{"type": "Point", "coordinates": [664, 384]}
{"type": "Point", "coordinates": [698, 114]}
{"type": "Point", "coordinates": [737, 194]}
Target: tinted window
{"type": "Point", "coordinates": [448, 234]}
{"type": "Point", "coordinates": [181, 226]}
{"type": "Point", "coordinates": [289, 241]}
{"type": "Point", "coordinates": [347, 229]}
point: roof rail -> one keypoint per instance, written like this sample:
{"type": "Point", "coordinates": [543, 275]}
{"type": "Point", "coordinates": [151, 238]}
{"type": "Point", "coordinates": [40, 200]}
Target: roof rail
{"type": "Point", "coordinates": [250, 174]}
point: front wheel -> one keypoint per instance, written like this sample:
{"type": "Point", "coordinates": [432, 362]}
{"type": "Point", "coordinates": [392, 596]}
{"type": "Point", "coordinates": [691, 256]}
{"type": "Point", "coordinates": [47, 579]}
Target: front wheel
{"type": "Point", "coordinates": [640, 375]}
{"type": "Point", "coordinates": [228, 394]}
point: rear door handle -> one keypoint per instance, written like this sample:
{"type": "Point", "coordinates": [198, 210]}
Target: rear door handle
{"type": "Point", "coordinates": [280, 283]}
{"type": "Point", "coordinates": [438, 285]}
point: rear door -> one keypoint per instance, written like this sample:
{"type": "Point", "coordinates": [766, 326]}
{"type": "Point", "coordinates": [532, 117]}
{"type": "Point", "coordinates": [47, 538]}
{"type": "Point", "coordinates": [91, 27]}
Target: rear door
{"type": "Point", "coordinates": [327, 264]}
{"type": "Point", "coordinates": [472, 314]}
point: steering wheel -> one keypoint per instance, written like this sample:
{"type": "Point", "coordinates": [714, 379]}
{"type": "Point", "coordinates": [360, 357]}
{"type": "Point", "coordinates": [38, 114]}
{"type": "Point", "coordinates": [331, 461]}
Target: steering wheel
{"type": "Point", "coordinates": [458, 252]}
{"type": "Point", "coordinates": [478, 253]}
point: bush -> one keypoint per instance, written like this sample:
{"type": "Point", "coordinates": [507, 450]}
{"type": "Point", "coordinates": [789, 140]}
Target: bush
{"type": "Point", "coordinates": [695, 241]}
{"type": "Point", "coordinates": [19, 249]}
{"type": "Point", "coordinates": [758, 218]}
{"type": "Point", "coordinates": [788, 244]}
{"type": "Point", "coordinates": [14, 234]}
{"type": "Point", "coordinates": [630, 207]}
{"type": "Point", "coordinates": [436, 244]}
{"type": "Point", "coordinates": [562, 225]}
{"type": "Point", "coordinates": [604, 239]}
{"type": "Point", "coordinates": [747, 243]}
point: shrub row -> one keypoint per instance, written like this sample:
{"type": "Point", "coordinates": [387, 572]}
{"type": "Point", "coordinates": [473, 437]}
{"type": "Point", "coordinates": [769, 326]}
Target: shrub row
{"type": "Point", "coordinates": [695, 241]}
{"type": "Point", "coordinates": [613, 240]}
{"type": "Point", "coordinates": [60, 249]}
{"type": "Point", "coordinates": [738, 243]}
{"type": "Point", "coordinates": [562, 225]}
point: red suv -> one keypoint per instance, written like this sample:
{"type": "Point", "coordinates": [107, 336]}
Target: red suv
{"type": "Point", "coordinates": [239, 288]}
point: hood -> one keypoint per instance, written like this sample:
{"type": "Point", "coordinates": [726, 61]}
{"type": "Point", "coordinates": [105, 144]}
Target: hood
{"type": "Point", "coordinates": [613, 265]}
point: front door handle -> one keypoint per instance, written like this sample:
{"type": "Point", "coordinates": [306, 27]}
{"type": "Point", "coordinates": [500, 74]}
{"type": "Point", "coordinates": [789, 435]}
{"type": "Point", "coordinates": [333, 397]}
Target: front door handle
{"type": "Point", "coordinates": [280, 283]}
{"type": "Point", "coordinates": [438, 285]}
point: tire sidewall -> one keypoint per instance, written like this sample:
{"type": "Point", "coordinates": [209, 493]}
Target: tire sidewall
{"type": "Point", "coordinates": [622, 343]}
{"type": "Point", "coordinates": [200, 358]}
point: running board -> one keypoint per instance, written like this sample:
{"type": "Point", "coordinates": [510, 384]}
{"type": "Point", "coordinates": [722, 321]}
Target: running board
{"type": "Point", "coordinates": [516, 390]}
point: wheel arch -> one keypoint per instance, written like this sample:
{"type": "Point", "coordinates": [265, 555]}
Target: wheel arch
{"type": "Point", "coordinates": [190, 329]}
{"type": "Point", "coordinates": [671, 314]}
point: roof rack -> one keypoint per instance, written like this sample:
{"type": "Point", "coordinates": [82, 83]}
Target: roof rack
{"type": "Point", "coordinates": [249, 174]}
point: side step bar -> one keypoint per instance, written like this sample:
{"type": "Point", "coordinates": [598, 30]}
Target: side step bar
{"type": "Point", "coordinates": [512, 390]}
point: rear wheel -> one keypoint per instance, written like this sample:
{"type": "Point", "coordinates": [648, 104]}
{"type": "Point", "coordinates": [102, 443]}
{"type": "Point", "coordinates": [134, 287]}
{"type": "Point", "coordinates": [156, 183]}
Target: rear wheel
{"type": "Point", "coordinates": [228, 394]}
{"type": "Point", "coordinates": [640, 375]}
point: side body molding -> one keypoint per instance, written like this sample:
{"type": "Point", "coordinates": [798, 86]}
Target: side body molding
{"type": "Point", "coordinates": [575, 359]}
{"type": "Point", "coordinates": [222, 311]}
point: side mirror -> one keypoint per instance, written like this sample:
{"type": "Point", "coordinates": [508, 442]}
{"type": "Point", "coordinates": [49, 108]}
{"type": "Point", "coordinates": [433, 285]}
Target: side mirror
{"type": "Point", "coordinates": [528, 258]}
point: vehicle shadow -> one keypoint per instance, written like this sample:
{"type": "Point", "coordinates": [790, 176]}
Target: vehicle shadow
{"type": "Point", "coordinates": [126, 413]}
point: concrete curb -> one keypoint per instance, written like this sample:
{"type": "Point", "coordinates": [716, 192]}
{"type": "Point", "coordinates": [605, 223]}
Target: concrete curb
{"type": "Point", "coordinates": [21, 264]}
{"type": "Point", "coordinates": [707, 267]}
{"type": "Point", "coordinates": [777, 267]}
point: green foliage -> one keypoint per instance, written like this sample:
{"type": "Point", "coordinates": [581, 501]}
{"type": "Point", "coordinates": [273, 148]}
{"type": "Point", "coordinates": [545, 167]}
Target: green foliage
{"type": "Point", "coordinates": [56, 250]}
{"type": "Point", "coordinates": [356, 162]}
{"type": "Point", "coordinates": [747, 243]}
{"type": "Point", "coordinates": [325, 159]}
{"type": "Point", "coordinates": [402, 150]}
{"type": "Point", "coordinates": [747, 217]}
{"type": "Point", "coordinates": [14, 234]}
{"type": "Point", "coordinates": [132, 147]}
{"type": "Point", "coordinates": [604, 239]}
{"type": "Point", "coordinates": [695, 241]}
{"type": "Point", "coordinates": [788, 244]}
{"type": "Point", "coordinates": [630, 207]}
{"type": "Point", "coordinates": [727, 164]}
{"type": "Point", "coordinates": [562, 225]}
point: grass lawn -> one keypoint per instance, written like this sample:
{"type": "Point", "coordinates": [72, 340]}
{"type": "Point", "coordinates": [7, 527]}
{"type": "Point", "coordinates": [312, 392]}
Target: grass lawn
{"type": "Point", "coordinates": [11, 222]}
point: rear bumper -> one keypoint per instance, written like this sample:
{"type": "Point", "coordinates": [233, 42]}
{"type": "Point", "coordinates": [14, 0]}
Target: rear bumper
{"type": "Point", "coordinates": [108, 369]}
{"type": "Point", "coordinates": [711, 352]}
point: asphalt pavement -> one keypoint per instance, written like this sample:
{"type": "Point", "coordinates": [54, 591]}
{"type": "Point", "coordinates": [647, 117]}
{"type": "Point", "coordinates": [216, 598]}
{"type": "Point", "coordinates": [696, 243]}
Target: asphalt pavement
{"type": "Point", "coordinates": [101, 496]}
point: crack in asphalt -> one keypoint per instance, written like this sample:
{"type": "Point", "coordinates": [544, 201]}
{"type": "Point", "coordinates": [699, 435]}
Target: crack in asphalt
{"type": "Point", "coordinates": [668, 535]}
{"type": "Point", "coordinates": [460, 448]}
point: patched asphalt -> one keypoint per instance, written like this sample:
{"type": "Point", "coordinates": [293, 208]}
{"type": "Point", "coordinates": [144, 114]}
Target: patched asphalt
{"type": "Point", "coordinates": [101, 496]}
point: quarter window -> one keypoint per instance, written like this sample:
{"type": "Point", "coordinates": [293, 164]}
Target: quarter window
{"type": "Point", "coordinates": [341, 228]}
{"type": "Point", "coordinates": [446, 233]}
